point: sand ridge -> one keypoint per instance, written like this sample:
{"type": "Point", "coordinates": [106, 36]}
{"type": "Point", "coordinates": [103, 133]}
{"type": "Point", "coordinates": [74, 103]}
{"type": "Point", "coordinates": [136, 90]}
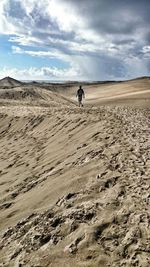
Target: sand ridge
{"type": "Point", "coordinates": [74, 185]}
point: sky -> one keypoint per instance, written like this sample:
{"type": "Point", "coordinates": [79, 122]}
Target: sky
{"type": "Point", "coordinates": [74, 39]}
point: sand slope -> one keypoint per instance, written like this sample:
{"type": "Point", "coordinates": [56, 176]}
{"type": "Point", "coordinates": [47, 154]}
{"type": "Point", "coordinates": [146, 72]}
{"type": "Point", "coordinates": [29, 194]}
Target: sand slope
{"type": "Point", "coordinates": [9, 82]}
{"type": "Point", "coordinates": [129, 93]}
{"type": "Point", "coordinates": [74, 183]}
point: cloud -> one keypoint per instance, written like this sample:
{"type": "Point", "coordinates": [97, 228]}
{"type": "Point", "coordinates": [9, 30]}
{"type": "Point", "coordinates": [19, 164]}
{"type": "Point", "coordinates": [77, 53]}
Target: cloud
{"type": "Point", "coordinates": [51, 54]}
{"type": "Point", "coordinates": [100, 39]}
{"type": "Point", "coordinates": [44, 73]}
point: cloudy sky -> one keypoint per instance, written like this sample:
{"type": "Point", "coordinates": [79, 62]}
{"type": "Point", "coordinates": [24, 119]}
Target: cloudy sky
{"type": "Point", "coordinates": [74, 39]}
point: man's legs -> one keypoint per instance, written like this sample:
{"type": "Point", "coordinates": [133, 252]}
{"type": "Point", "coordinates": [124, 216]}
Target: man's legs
{"type": "Point", "coordinates": [80, 102]}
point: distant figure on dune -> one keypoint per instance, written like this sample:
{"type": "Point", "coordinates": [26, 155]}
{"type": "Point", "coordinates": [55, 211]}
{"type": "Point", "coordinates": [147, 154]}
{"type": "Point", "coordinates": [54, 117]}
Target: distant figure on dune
{"type": "Point", "coordinates": [80, 94]}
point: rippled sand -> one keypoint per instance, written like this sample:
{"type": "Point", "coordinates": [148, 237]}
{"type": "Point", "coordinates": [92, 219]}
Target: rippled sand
{"type": "Point", "coordinates": [74, 183]}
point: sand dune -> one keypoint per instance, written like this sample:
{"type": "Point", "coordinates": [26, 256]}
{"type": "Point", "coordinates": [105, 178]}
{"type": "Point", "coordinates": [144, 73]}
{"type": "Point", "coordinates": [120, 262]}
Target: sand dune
{"type": "Point", "coordinates": [128, 93]}
{"type": "Point", "coordinates": [74, 182]}
{"type": "Point", "coordinates": [33, 96]}
{"type": "Point", "coordinates": [9, 82]}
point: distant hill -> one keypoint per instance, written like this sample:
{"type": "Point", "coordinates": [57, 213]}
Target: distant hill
{"type": "Point", "coordinates": [9, 82]}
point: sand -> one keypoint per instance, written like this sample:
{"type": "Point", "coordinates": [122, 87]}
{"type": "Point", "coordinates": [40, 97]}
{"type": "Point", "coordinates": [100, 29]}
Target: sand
{"type": "Point", "coordinates": [74, 182]}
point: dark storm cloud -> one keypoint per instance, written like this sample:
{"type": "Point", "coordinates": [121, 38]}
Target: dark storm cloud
{"type": "Point", "coordinates": [147, 38]}
{"type": "Point", "coordinates": [105, 67]}
{"type": "Point", "coordinates": [124, 41]}
{"type": "Point", "coordinates": [110, 39]}
{"type": "Point", "coordinates": [120, 17]}
{"type": "Point", "coordinates": [126, 23]}
{"type": "Point", "coordinates": [117, 18]}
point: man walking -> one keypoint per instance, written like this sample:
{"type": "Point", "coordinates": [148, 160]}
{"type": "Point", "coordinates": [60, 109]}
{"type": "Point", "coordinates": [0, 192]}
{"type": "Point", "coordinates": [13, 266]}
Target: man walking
{"type": "Point", "coordinates": [80, 94]}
